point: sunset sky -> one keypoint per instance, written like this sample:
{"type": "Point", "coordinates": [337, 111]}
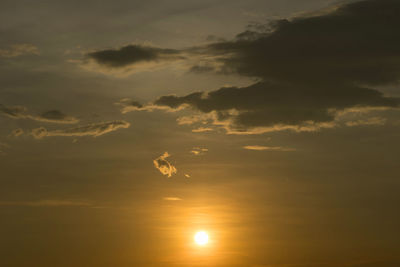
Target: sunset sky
{"type": "Point", "coordinates": [199, 133]}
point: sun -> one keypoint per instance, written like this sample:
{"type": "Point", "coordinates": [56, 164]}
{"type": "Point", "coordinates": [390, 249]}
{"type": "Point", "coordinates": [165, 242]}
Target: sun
{"type": "Point", "coordinates": [201, 238]}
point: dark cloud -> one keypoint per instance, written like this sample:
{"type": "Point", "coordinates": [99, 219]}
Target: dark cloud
{"type": "Point", "coordinates": [56, 116]}
{"type": "Point", "coordinates": [128, 104]}
{"type": "Point", "coordinates": [308, 68]}
{"type": "Point", "coordinates": [51, 116]}
{"type": "Point", "coordinates": [202, 68]}
{"type": "Point", "coordinates": [15, 112]}
{"type": "Point", "coordinates": [131, 54]}
{"type": "Point", "coordinates": [269, 104]}
{"type": "Point", "coordinates": [356, 43]}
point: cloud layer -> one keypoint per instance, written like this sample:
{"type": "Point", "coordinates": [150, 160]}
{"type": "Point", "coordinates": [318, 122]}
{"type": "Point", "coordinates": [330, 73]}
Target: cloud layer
{"type": "Point", "coordinates": [277, 105]}
{"type": "Point", "coordinates": [309, 69]}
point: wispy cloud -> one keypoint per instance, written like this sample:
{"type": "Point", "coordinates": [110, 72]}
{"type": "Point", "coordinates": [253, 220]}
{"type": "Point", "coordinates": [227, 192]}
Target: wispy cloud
{"type": "Point", "coordinates": [51, 116]}
{"type": "Point", "coordinates": [3, 146]}
{"type": "Point", "coordinates": [47, 203]}
{"type": "Point", "coordinates": [127, 105]}
{"type": "Point", "coordinates": [199, 151]}
{"type": "Point", "coordinates": [172, 198]}
{"type": "Point", "coordinates": [202, 130]}
{"type": "Point", "coordinates": [374, 121]}
{"type": "Point", "coordinates": [269, 148]}
{"type": "Point", "coordinates": [95, 130]}
{"type": "Point", "coordinates": [164, 166]}
{"type": "Point", "coordinates": [17, 132]}
{"type": "Point", "coordinates": [19, 50]}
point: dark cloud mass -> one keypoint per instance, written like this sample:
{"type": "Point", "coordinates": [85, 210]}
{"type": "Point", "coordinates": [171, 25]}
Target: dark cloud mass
{"type": "Point", "coordinates": [267, 104]}
{"type": "Point", "coordinates": [356, 43]}
{"type": "Point", "coordinates": [308, 67]}
{"type": "Point", "coordinates": [132, 54]}
{"type": "Point", "coordinates": [53, 115]}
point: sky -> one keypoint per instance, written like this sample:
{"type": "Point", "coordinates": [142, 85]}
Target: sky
{"type": "Point", "coordinates": [126, 127]}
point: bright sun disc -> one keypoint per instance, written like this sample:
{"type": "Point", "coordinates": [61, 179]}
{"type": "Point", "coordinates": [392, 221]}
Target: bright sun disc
{"type": "Point", "coordinates": [201, 238]}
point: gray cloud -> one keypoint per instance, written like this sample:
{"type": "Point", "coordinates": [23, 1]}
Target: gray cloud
{"type": "Point", "coordinates": [164, 166]}
{"type": "Point", "coordinates": [277, 105]}
{"type": "Point", "coordinates": [15, 112]}
{"type": "Point", "coordinates": [132, 54]}
{"type": "Point", "coordinates": [355, 43]}
{"type": "Point", "coordinates": [51, 116]}
{"type": "Point", "coordinates": [128, 105]}
{"type": "Point", "coordinates": [95, 130]}
{"type": "Point", "coordinates": [56, 116]}
{"type": "Point", "coordinates": [309, 70]}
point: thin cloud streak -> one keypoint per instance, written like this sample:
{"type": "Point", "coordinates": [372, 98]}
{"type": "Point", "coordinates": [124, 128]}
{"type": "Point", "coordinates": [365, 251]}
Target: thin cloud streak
{"type": "Point", "coordinates": [47, 203]}
{"type": "Point", "coordinates": [172, 199]}
{"type": "Point", "coordinates": [197, 151]}
{"type": "Point", "coordinates": [269, 148]}
{"type": "Point", "coordinates": [95, 130]}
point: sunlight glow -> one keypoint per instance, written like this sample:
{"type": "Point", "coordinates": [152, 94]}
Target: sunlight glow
{"type": "Point", "coordinates": [201, 238]}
